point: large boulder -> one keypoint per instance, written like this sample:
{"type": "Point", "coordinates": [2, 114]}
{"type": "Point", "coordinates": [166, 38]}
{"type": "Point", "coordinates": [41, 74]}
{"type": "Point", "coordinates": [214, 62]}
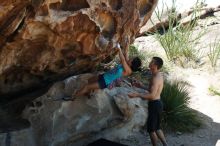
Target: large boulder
{"type": "Point", "coordinates": [43, 41]}
{"type": "Point", "coordinates": [108, 113]}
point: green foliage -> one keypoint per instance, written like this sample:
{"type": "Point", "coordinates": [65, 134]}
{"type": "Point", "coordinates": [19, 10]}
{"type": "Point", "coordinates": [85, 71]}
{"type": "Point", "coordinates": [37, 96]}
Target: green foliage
{"type": "Point", "coordinates": [177, 115]}
{"type": "Point", "coordinates": [214, 91]}
{"type": "Point", "coordinates": [178, 40]}
{"type": "Point", "coordinates": [214, 53]}
{"type": "Point", "coordinates": [134, 52]}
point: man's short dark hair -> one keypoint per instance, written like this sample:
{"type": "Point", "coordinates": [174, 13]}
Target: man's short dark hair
{"type": "Point", "coordinates": [158, 61]}
{"type": "Point", "coordinates": [136, 64]}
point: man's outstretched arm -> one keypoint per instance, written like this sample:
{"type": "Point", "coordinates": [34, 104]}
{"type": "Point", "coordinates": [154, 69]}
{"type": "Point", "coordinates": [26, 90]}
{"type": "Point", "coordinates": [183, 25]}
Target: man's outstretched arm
{"type": "Point", "coordinates": [151, 95]}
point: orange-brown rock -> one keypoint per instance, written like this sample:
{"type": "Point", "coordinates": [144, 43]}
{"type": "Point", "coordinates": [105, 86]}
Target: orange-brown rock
{"type": "Point", "coordinates": [44, 40]}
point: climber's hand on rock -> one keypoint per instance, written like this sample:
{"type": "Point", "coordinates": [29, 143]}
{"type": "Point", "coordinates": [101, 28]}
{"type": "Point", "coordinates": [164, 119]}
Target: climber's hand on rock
{"type": "Point", "coordinates": [118, 47]}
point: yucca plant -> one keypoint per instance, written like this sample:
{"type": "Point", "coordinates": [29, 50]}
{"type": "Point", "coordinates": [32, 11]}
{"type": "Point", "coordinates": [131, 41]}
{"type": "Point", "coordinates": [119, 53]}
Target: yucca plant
{"type": "Point", "coordinates": [177, 115]}
{"type": "Point", "coordinates": [214, 52]}
{"type": "Point", "coordinates": [178, 40]}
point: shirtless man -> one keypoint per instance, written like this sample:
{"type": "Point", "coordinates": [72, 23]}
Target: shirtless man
{"type": "Point", "coordinates": [154, 105]}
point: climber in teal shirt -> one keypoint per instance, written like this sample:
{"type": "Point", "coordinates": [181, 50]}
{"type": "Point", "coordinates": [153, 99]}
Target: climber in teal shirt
{"type": "Point", "coordinates": [106, 79]}
{"type": "Point", "coordinates": [113, 74]}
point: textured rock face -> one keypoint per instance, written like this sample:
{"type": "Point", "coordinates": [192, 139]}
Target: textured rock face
{"type": "Point", "coordinates": [42, 41]}
{"type": "Point", "coordinates": [108, 114]}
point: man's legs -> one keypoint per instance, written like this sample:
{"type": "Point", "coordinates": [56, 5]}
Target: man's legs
{"type": "Point", "coordinates": [153, 122]}
{"type": "Point", "coordinates": [161, 136]}
{"type": "Point", "coordinates": [153, 137]}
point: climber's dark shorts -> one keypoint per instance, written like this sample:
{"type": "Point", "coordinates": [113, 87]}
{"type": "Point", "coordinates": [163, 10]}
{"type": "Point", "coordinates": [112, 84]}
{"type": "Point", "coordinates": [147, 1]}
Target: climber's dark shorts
{"type": "Point", "coordinates": [155, 109]}
{"type": "Point", "coordinates": [101, 81]}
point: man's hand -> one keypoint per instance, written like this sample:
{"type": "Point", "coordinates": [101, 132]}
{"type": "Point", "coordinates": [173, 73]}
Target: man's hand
{"type": "Point", "coordinates": [133, 95]}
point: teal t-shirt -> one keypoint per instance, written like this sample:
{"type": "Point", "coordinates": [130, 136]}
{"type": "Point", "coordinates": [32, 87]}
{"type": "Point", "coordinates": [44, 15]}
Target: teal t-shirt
{"type": "Point", "coordinates": [113, 74]}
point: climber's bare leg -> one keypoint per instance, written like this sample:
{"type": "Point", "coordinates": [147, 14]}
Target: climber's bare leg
{"type": "Point", "coordinates": [87, 89]}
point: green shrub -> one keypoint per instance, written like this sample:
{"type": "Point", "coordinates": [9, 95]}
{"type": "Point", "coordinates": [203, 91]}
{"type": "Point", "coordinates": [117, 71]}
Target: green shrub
{"type": "Point", "coordinates": [214, 52]}
{"type": "Point", "coordinates": [214, 91]}
{"type": "Point", "coordinates": [177, 115]}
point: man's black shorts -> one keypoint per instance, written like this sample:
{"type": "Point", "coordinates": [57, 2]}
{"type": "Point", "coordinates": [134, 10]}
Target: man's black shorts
{"type": "Point", "coordinates": [155, 109]}
{"type": "Point", "coordinates": [101, 82]}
